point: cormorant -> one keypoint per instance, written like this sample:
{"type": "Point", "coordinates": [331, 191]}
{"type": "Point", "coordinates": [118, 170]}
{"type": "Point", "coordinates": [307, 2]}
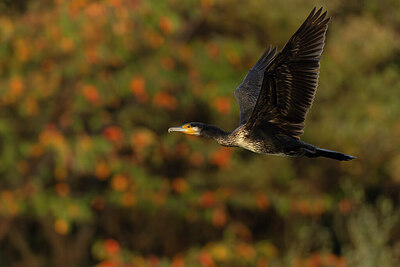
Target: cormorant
{"type": "Point", "coordinates": [275, 97]}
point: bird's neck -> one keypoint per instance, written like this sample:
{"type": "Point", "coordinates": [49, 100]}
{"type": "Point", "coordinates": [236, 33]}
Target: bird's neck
{"type": "Point", "coordinates": [213, 132]}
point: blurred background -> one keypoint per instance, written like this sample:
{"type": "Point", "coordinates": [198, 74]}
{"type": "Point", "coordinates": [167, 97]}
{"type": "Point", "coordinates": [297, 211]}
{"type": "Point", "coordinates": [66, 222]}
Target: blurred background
{"type": "Point", "coordinates": [90, 176]}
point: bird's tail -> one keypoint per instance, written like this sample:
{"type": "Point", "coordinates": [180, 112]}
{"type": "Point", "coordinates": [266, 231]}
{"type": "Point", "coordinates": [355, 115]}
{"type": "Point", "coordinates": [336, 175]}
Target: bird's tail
{"type": "Point", "coordinates": [313, 152]}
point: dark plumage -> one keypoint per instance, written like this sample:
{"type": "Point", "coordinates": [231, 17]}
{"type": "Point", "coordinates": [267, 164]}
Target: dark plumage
{"type": "Point", "coordinates": [275, 96]}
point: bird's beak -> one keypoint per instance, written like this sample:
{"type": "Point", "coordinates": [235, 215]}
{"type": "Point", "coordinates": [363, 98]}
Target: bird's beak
{"type": "Point", "coordinates": [182, 129]}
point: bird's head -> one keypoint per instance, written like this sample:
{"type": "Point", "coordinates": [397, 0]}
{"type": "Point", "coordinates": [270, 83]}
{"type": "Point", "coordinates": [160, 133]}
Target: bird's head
{"type": "Point", "coordinates": [204, 130]}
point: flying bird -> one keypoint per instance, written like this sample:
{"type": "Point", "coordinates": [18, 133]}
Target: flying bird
{"type": "Point", "coordinates": [275, 96]}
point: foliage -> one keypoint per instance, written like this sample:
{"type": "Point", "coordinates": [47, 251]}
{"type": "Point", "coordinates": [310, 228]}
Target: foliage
{"type": "Point", "coordinates": [89, 174]}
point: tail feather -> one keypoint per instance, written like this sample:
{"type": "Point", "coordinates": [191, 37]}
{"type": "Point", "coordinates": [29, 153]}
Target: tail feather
{"type": "Point", "coordinates": [320, 152]}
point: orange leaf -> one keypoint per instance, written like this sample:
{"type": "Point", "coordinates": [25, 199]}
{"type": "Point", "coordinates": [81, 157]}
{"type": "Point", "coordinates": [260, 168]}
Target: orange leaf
{"type": "Point", "coordinates": [67, 44]}
{"type": "Point", "coordinates": [302, 206]}
{"type": "Point", "coordinates": [221, 157]}
{"type": "Point", "coordinates": [16, 86]}
{"type": "Point", "coordinates": [114, 3]}
{"type": "Point", "coordinates": [95, 10]}
{"type": "Point", "coordinates": [208, 199]}
{"type": "Point", "coordinates": [330, 259]}
{"type": "Point", "coordinates": [246, 250]}
{"type": "Point", "coordinates": [219, 217]}
{"type": "Point", "coordinates": [102, 170]}
{"type": "Point", "coordinates": [155, 39]}
{"type": "Point", "coordinates": [220, 252]}
{"type": "Point", "coordinates": [47, 65]}
{"type": "Point", "coordinates": [138, 88]}
{"type": "Point", "coordinates": [111, 246]}
{"type": "Point", "coordinates": [178, 261]}
{"type": "Point", "coordinates": [62, 189]}
{"type": "Point", "coordinates": [207, 4]}
{"type": "Point", "coordinates": [159, 198]}
{"type": "Point", "coordinates": [107, 264]}
{"type": "Point", "coordinates": [166, 25]}
{"type": "Point", "coordinates": [179, 185]}
{"type": "Point", "coordinates": [345, 206]}
{"type": "Point", "coordinates": [167, 63]}
{"type": "Point", "coordinates": [212, 50]}
{"type": "Point", "coordinates": [90, 93]}
{"type": "Point", "coordinates": [113, 133]}
{"type": "Point", "coordinates": [36, 150]}
{"type": "Point", "coordinates": [153, 261]}
{"type": "Point", "coordinates": [206, 260]}
{"type": "Point", "coordinates": [262, 201]}
{"type": "Point", "coordinates": [119, 182]}
{"type": "Point", "coordinates": [141, 139]}
{"type": "Point", "coordinates": [262, 262]}
{"type": "Point", "coordinates": [128, 199]}
{"type": "Point", "coordinates": [61, 226]}
{"type": "Point", "coordinates": [165, 100]}
{"type": "Point", "coordinates": [32, 107]}
{"type": "Point", "coordinates": [7, 197]}
{"type": "Point", "coordinates": [22, 48]}
{"type": "Point", "coordinates": [91, 56]}
{"type": "Point", "coordinates": [223, 105]}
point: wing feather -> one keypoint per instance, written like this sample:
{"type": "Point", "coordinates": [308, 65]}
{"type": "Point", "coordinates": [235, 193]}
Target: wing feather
{"type": "Point", "coordinates": [247, 92]}
{"type": "Point", "coordinates": [291, 79]}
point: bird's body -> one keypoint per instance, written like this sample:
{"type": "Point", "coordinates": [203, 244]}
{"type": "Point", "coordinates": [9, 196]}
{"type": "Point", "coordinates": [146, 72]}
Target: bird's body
{"type": "Point", "coordinates": [275, 97]}
{"type": "Point", "coordinates": [261, 140]}
{"type": "Point", "coordinates": [265, 141]}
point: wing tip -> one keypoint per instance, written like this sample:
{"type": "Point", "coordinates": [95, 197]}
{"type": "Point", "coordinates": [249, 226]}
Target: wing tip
{"type": "Point", "coordinates": [265, 58]}
{"type": "Point", "coordinates": [315, 16]}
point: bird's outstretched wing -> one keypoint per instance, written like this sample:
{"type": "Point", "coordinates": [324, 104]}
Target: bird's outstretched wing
{"type": "Point", "coordinates": [291, 79]}
{"type": "Point", "coordinates": [247, 92]}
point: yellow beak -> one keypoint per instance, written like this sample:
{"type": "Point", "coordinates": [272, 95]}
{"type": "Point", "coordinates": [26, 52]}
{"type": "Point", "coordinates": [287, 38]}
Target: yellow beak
{"type": "Point", "coordinates": [184, 129]}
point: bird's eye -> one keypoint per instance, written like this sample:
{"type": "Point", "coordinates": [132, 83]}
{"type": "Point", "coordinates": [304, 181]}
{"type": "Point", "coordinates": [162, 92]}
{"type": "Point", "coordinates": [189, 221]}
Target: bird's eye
{"type": "Point", "coordinates": [188, 126]}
